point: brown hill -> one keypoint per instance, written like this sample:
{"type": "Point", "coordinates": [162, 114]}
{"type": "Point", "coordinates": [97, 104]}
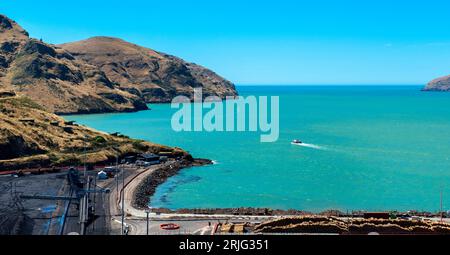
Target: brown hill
{"type": "Point", "coordinates": [101, 74]}
{"type": "Point", "coordinates": [31, 136]}
{"type": "Point", "coordinates": [439, 84]}
{"type": "Point", "coordinates": [152, 75]}
{"type": "Point", "coordinates": [54, 79]}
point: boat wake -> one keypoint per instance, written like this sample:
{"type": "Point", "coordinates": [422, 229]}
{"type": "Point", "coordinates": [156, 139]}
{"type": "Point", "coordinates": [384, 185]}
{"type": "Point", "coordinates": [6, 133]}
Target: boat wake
{"type": "Point", "coordinates": [312, 146]}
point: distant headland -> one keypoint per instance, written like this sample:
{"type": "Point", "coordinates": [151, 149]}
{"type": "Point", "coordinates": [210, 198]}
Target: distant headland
{"type": "Point", "coordinates": [439, 84]}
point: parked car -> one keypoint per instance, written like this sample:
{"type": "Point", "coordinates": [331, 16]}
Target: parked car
{"type": "Point", "coordinates": [143, 163]}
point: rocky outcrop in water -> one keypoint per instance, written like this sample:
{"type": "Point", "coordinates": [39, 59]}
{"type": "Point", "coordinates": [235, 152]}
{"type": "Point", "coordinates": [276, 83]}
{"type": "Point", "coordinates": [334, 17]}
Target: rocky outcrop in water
{"type": "Point", "coordinates": [439, 84]}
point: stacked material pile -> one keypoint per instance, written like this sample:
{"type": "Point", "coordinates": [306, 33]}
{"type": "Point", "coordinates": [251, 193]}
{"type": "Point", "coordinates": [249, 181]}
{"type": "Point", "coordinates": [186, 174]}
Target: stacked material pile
{"type": "Point", "coordinates": [323, 224]}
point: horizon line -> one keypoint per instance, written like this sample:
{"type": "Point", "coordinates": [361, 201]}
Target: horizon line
{"type": "Point", "coordinates": [339, 84]}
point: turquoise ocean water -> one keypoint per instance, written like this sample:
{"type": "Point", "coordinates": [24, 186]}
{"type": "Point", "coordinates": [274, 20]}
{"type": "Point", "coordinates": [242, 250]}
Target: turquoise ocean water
{"type": "Point", "coordinates": [375, 148]}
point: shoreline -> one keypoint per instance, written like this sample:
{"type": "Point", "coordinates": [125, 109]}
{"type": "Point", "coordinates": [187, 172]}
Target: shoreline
{"type": "Point", "coordinates": [147, 187]}
{"type": "Point", "coordinates": [134, 110]}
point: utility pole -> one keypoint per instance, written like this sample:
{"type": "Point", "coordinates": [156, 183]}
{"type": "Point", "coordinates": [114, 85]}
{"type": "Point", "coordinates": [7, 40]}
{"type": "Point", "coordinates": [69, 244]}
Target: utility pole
{"type": "Point", "coordinates": [123, 200]}
{"type": "Point", "coordinates": [93, 202]}
{"type": "Point", "coordinates": [85, 157]}
{"type": "Point", "coordinates": [147, 211]}
{"type": "Point", "coordinates": [84, 206]}
{"type": "Point", "coordinates": [83, 213]}
{"type": "Point", "coordinates": [95, 193]}
{"type": "Point", "coordinates": [116, 175]}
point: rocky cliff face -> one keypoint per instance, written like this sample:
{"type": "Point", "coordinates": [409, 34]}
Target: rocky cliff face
{"type": "Point", "coordinates": [101, 74]}
{"type": "Point", "coordinates": [53, 78]}
{"type": "Point", "coordinates": [151, 75]}
{"type": "Point", "coordinates": [439, 84]}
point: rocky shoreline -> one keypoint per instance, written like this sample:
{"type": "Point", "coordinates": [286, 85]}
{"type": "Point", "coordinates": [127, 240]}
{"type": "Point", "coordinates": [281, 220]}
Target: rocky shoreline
{"type": "Point", "coordinates": [255, 211]}
{"type": "Point", "coordinates": [145, 189]}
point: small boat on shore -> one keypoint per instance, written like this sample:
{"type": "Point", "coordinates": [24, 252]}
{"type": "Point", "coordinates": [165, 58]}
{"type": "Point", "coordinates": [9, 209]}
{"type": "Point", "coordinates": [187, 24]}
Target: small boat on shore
{"type": "Point", "coordinates": [295, 141]}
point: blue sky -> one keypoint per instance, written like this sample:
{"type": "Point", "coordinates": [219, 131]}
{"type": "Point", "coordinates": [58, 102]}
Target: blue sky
{"type": "Point", "coordinates": [266, 42]}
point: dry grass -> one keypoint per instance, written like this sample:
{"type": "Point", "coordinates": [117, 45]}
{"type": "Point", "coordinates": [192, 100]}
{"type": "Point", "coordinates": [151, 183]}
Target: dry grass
{"type": "Point", "coordinates": [158, 76]}
{"type": "Point", "coordinates": [54, 79]}
{"type": "Point", "coordinates": [30, 135]}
